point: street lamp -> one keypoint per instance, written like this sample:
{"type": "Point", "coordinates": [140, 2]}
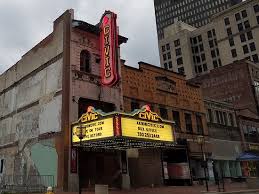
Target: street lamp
{"type": "Point", "coordinates": [201, 142]}
{"type": "Point", "coordinates": [81, 133]}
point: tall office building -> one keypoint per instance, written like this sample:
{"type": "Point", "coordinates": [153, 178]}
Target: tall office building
{"type": "Point", "coordinates": [229, 37]}
{"type": "Point", "coordinates": [194, 12]}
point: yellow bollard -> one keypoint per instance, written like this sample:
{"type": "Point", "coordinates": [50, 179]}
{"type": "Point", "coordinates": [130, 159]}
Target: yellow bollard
{"type": "Point", "coordinates": [50, 190]}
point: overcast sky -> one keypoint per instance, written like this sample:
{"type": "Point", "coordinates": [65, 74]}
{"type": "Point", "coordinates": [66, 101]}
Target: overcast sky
{"type": "Point", "coordinates": [24, 23]}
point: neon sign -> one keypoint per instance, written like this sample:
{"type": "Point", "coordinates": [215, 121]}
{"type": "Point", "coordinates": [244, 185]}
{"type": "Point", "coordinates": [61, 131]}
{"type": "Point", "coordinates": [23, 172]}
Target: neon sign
{"type": "Point", "coordinates": [109, 45]}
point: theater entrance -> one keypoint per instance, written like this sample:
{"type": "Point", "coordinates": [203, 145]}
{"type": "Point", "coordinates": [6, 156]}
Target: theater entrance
{"type": "Point", "coordinates": [100, 167]}
{"type": "Point", "coordinates": [104, 139]}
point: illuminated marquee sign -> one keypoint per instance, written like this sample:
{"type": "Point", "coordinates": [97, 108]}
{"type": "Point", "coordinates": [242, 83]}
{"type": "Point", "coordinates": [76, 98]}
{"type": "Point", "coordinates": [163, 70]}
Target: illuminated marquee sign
{"type": "Point", "coordinates": [148, 126]}
{"type": "Point", "coordinates": [141, 125]}
{"type": "Point", "coordinates": [109, 46]}
{"type": "Point", "coordinates": [92, 127]}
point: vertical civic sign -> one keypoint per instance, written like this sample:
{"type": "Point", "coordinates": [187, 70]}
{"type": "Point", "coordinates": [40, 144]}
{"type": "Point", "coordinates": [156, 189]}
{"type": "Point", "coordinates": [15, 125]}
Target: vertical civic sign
{"type": "Point", "coordinates": [109, 46]}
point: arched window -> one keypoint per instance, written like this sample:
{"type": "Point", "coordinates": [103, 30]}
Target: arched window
{"type": "Point", "coordinates": [85, 61]}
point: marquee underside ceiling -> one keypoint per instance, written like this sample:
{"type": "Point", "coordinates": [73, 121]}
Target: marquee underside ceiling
{"type": "Point", "coordinates": [123, 143]}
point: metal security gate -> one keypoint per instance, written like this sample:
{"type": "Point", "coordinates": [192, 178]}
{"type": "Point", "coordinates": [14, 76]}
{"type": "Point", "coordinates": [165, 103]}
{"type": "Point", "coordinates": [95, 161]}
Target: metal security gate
{"type": "Point", "coordinates": [30, 184]}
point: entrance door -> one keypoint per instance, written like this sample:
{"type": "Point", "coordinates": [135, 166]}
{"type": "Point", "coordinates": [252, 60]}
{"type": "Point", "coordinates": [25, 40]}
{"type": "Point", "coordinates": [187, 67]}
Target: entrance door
{"type": "Point", "coordinates": [100, 168]}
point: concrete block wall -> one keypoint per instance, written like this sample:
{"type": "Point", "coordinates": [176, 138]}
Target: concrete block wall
{"type": "Point", "coordinates": [30, 106]}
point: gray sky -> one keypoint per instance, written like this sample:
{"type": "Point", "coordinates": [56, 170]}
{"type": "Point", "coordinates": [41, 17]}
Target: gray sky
{"type": "Point", "coordinates": [24, 23]}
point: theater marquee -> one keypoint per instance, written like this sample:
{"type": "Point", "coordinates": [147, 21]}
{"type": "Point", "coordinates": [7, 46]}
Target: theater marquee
{"type": "Point", "coordinates": [120, 130]}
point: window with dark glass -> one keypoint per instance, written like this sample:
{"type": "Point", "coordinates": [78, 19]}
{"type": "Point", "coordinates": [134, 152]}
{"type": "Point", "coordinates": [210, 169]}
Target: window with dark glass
{"type": "Point", "coordinates": [163, 48]}
{"type": "Point", "coordinates": [231, 42]}
{"type": "Point", "coordinates": [199, 69]}
{"type": "Point", "coordinates": [167, 46]}
{"type": "Point", "coordinates": [211, 43]}
{"type": "Point", "coordinates": [246, 24]}
{"type": "Point", "coordinates": [217, 117]}
{"type": "Point", "coordinates": [196, 71]}
{"type": "Point", "coordinates": [164, 57]}
{"type": "Point", "coordinates": [199, 38]}
{"type": "Point", "coordinates": [201, 47]}
{"type": "Point", "coordinates": [188, 122]}
{"type": "Point", "coordinates": [1, 166]}
{"type": "Point", "coordinates": [195, 40]}
{"type": "Point", "coordinates": [177, 42]}
{"type": "Point", "coordinates": [237, 16]}
{"type": "Point", "coordinates": [165, 65]}
{"type": "Point", "coordinates": [163, 113]}
{"type": "Point", "coordinates": [227, 22]}
{"type": "Point", "coordinates": [178, 51]}
{"type": "Point", "coordinates": [170, 64]}
{"type": "Point", "coordinates": [249, 35]}
{"type": "Point", "coordinates": [255, 58]}
{"type": "Point", "coordinates": [244, 14]}
{"type": "Point", "coordinates": [203, 58]}
{"type": "Point", "coordinates": [252, 46]}
{"type": "Point", "coordinates": [257, 19]}
{"type": "Point", "coordinates": [213, 32]}
{"type": "Point", "coordinates": [181, 70]}
{"type": "Point", "coordinates": [210, 116]}
{"type": "Point", "coordinates": [229, 31]}
{"type": "Point", "coordinates": [221, 117]}
{"type": "Point", "coordinates": [209, 34]}
{"type": "Point", "coordinates": [176, 119]}
{"type": "Point", "coordinates": [256, 8]}
{"type": "Point", "coordinates": [199, 124]}
{"type": "Point", "coordinates": [85, 61]}
{"type": "Point", "coordinates": [234, 53]}
{"type": "Point", "coordinates": [198, 59]}
{"type": "Point", "coordinates": [196, 49]}
{"type": "Point", "coordinates": [168, 55]}
{"type": "Point", "coordinates": [245, 49]}
{"type": "Point", "coordinates": [213, 54]}
{"type": "Point", "coordinates": [134, 105]}
{"type": "Point", "coordinates": [215, 42]}
{"type": "Point", "coordinates": [242, 37]}
{"type": "Point", "coordinates": [205, 68]}
{"type": "Point", "coordinates": [219, 62]}
{"type": "Point", "coordinates": [215, 63]}
{"type": "Point", "coordinates": [179, 61]}
{"type": "Point", "coordinates": [240, 27]}
{"type": "Point", "coordinates": [217, 51]}
{"type": "Point", "coordinates": [225, 118]}
{"type": "Point", "coordinates": [231, 119]}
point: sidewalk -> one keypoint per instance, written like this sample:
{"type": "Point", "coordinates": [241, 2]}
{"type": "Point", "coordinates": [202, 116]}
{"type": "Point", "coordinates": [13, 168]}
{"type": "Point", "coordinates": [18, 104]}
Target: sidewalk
{"type": "Point", "coordinates": [196, 189]}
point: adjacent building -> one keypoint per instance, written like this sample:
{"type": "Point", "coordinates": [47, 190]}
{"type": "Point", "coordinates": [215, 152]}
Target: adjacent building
{"type": "Point", "coordinates": [196, 13]}
{"type": "Point", "coordinates": [226, 140]}
{"type": "Point", "coordinates": [170, 95]}
{"type": "Point", "coordinates": [236, 83]}
{"type": "Point", "coordinates": [230, 36]}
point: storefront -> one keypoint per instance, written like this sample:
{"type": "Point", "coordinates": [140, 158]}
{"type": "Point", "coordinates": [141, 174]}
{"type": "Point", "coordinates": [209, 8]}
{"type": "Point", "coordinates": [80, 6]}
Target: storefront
{"type": "Point", "coordinates": [224, 160]}
{"type": "Point", "coordinates": [250, 163]}
{"type": "Point", "coordinates": [120, 149]}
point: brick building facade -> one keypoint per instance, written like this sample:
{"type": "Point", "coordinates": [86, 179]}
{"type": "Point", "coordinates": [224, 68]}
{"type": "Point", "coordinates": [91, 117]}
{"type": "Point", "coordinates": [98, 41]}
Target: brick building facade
{"type": "Point", "coordinates": [170, 95]}
{"type": "Point", "coordinates": [236, 83]}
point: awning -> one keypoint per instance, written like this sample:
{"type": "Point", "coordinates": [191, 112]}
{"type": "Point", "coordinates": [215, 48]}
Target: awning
{"type": "Point", "coordinates": [140, 129]}
{"type": "Point", "coordinates": [225, 149]}
{"type": "Point", "coordinates": [248, 156]}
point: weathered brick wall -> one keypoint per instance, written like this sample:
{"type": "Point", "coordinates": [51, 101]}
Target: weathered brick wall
{"type": "Point", "coordinates": [141, 85]}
